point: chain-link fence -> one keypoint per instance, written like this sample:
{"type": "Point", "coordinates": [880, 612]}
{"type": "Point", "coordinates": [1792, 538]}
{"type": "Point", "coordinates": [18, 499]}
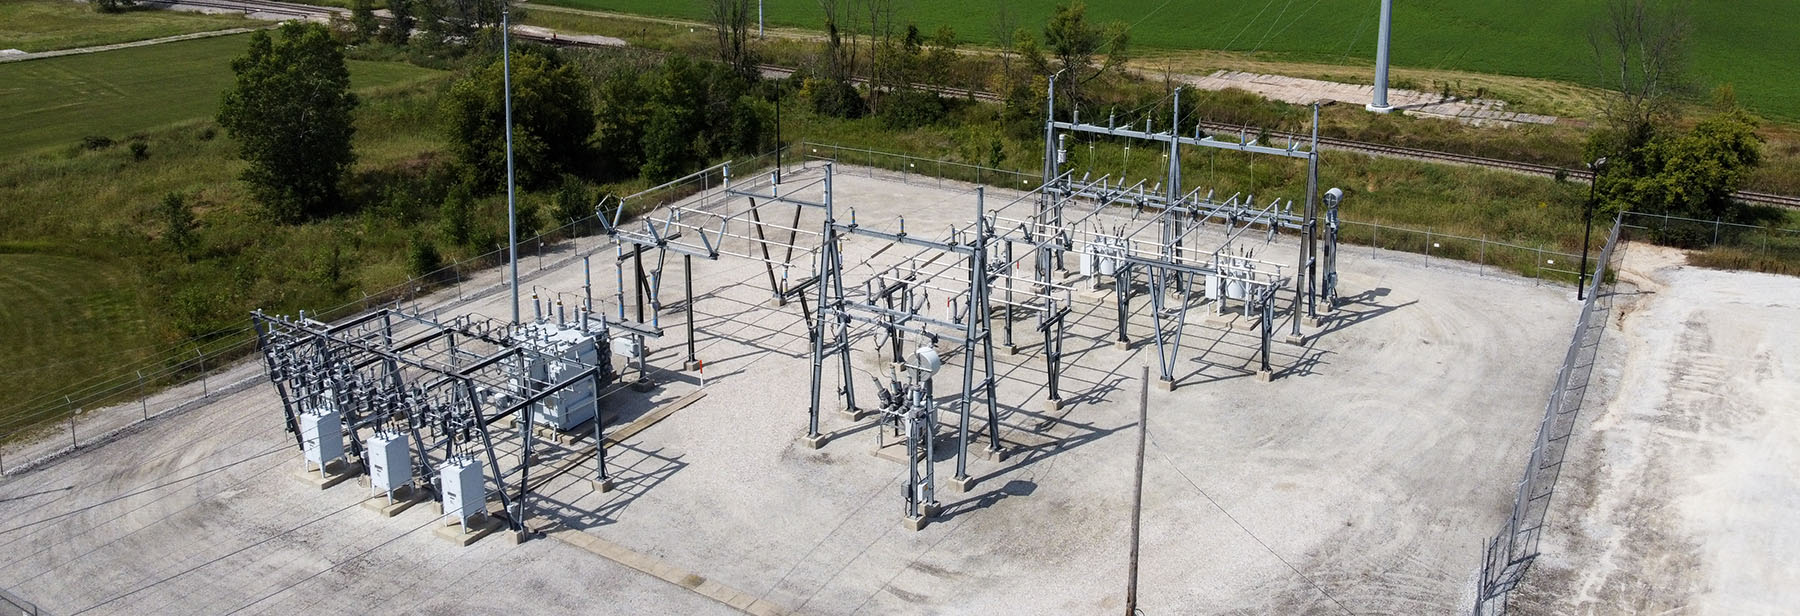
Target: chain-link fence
{"type": "Point", "coordinates": [12, 605]}
{"type": "Point", "coordinates": [99, 406]}
{"type": "Point", "coordinates": [1509, 554]}
{"type": "Point", "coordinates": [1716, 243]}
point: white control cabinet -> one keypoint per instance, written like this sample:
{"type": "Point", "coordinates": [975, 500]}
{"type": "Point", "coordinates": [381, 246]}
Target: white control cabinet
{"type": "Point", "coordinates": [464, 495]}
{"type": "Point", "coordinates": [390, 464]}
{"type": "Point", "coordinates": [322, 436]}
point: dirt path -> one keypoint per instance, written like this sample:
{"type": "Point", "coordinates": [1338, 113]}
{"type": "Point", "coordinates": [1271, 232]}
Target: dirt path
{"type": "Point", "coordinates": [1680, 492]}
{"type": "Point", "coordinates": [20, 57]}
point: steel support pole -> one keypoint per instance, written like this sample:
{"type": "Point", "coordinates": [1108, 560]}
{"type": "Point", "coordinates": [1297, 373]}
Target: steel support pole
{"type": "Point", "coordinates": [512, 223]}
{"type": "Point", "coordinates": [687, 267]}
{"type": "Point", "coordinates": [1137, 491]}
{"type": "Point", "coordinates": [1380, 102]}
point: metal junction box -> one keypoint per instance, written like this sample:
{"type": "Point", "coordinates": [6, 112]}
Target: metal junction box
{"type": "Point", "coordinates": [322, 435]}
{"type": "Point", "coordinates": [390, 464]}
{"type": "Point", "coordinates": [463, 489]}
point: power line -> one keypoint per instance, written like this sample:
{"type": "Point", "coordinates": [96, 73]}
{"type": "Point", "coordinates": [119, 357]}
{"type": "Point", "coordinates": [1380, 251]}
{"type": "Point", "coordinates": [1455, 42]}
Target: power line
{"type": "Point", "coordinates": [1246, 530]}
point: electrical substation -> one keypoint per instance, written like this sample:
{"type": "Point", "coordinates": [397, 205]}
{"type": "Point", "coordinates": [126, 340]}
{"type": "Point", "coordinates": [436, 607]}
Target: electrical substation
{"type": "Point", "coordinates": [832, 386]}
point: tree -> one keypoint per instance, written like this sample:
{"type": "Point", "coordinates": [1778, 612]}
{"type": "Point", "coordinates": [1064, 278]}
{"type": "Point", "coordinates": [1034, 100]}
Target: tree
{"type": "Point", "coordinates": [400, 23]}
{"type": "Point", "coordinates": [457, 215]}
{"type": "Point", "coordinates": [290, 111]}
{"type": "Point", "coordinates": [1640, 50]}
{"type": "Point", "coordinates": [553, 116]}
{"type": "Point", "coordinates": [362, 21]}
{"type": "Point", "coordinates": [178, 222]}
{"type": "Point", "coordinates": [1691, 174]}
{"type": "Point", "coordinates": [114, 6]}
{"type": "Point", "coordinates": [1072, 44]}
{"type": "Point", "coordinates": [731, 24]}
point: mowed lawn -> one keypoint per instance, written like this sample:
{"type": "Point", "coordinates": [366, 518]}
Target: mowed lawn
{"type": "Point", "coordinates": [45, 25]}
{"type": "Point", "coordinates": [57, 101]}
{"type": "Point", "coordinates": [1752, 44]}
{"type": "Point", "coordinates": [64, 318]}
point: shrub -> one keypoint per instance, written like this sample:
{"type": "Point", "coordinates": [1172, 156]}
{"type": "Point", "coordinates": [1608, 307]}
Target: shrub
{"type": "Point", "coordinates": [422, 257]}
{"type": "Point", "coordinates": [906, 109]}
{"type": "Point", "coordinates": [96, 142]}
{"type": "Point", "coordinates": [139, 150]}
{"type": "Point", "coordinates": [838, 99]}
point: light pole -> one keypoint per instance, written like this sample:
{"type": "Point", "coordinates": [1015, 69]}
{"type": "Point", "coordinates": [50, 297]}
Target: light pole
{"type": "Point", "coordinates": [1380, 104]}
{"type": "Point", "coordinates": [512, 226]}
{"type": "Point", "coordinates": [1587, 235]}
{"type": "Point", "coordinates": [759, 19]}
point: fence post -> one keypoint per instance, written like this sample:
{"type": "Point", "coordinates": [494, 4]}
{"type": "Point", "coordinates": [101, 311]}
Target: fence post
{"type": "Point", "coordinates": [1428, 243]}
{"type": "Point", "coordinates": [1481, 266]}
{"type": "Point", "coordinates": [69, 405]}
{"type": "Point", "coordinates": [142, 400]}
{"type": "Point", "coordinates": [1715, 232]}
{"type": "Point", "coordinates": [1374, 240]}
{"type": "Point", "coordinates": [1540, 266]}
{"type": "Point", "coordinates": [204, 392]}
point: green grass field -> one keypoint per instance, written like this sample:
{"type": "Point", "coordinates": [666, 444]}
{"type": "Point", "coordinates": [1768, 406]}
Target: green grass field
{"type": "Point", "coordinates": [44, 25]}
{"type": "Point", "coordinates": [57, 101]}
{"type": "Point", "coordinates": [1747, 43]}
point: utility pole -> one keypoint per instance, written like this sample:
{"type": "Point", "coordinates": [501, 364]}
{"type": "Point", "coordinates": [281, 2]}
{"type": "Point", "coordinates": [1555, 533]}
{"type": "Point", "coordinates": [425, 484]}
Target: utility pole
{"type": "Point", "coordinates": [1137, 491]}
{"type": "Point", "coordinates": [759, 19]}
{"type": "Point", "coordinates": [512, 219]}
{"type": "Point", "coordinates": [1380, 104]}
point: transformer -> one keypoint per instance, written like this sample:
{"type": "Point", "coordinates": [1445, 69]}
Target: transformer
{"type": "Point", "coordinates": [390, 464]}
{"type": "Point", "coordinates": [566, 352]}
{"type": "Point", "coordinates": [465, 496]}
{"type": "Point", "coordinates": [322, 435]}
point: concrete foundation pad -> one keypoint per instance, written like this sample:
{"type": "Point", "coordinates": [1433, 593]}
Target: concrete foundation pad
{"type": "Point", "coordinates": [1051, 405]}
{"type": "Point", "coordinates": [1010, 350]}
{"type": "Point", "coordinates": [814, 442]}
{"type": "Point", "coordinates": [643, 386]}
{"type": "Point", "coordinates": [1122, 345]}
{"type": "Point", "coordinates": [1265, 375]}
{"type": "Point", "coordinates": [962, 484]}
{"type": "Point", "coordinates": [916, 523]}
{"type": "Point", "coordinates": [1292, 339]}
{"type": "Point", "coordinates": [1162, 385]}
{"type": "Point", "coordinates": [995, 455]}
{"type": "Point", "coordinates": [601, 486]}
{"type": "Point", "coordinates": [853, 414]}
{"type": "Point", "coordinates": [335, 472]}
{"type": "Point", "coordinates": [404, 498]}
{"type": "Point", "coordinates": [692, 366]}
{"type": "Point", "coordinates": [1314, 321]}
{"type": "Point", "coordinates": [478, 527]}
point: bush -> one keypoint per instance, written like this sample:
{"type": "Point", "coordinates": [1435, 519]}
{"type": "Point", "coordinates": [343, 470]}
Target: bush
{"type": "Point", "coordinates": [177, 221]}
{"type": "Point", "coordinates": [457, 215]}
{"type": "Point", "coordinates": [114, 6]}
{"type": "Point", "coordinates": [96, 142]}
{"type": "Point", "coordinates": [907, 109]}
{"type": "Point", "coordinates": [139, 150]}
{"type": "Point", "coordinates": [422, 257]}
{"type": "Point", "coordinates": [553, 116]}
{"type": "Point", "coordinates": [838, 99]}
{"type": "Point", "coordinates": [573, 201]}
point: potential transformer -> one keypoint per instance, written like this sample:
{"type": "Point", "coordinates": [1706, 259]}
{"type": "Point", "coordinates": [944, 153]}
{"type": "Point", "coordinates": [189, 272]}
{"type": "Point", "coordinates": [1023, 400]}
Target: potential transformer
{"type": "Point", "coordinates": [390, 464]}
{"type": "Point", "coordinates": [322, 435]}
{"type": "Point", "coordinates": [463, 490]}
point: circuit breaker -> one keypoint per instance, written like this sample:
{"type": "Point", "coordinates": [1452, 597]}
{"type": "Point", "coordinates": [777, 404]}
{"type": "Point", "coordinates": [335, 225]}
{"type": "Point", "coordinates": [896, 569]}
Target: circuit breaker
{"type": "Point", "coordinates": [322, 435]}
{"type": "Point", "coordinates": [390, 464]}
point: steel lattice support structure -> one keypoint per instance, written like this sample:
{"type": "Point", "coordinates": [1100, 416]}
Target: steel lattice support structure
{"type": "Point", "coordinates": [445, 384]}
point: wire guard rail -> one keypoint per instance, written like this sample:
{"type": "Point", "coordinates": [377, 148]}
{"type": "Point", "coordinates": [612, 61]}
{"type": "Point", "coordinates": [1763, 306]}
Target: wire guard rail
{"type": "Point", "coordinates": [1509, 554]}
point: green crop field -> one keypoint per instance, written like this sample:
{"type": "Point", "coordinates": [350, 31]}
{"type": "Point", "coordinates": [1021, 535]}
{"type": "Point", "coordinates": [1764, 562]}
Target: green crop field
{"type": "Point", "coordinates": [44, 25]}
{"type": "Point", "coordinates": [57, 101]}
{"type": "Point", "coordinates": [1747, 43]}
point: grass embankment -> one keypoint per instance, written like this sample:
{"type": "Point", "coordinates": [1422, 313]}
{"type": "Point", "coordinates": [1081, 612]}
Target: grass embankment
{"type": "Point", "coordinates": [46, 25]}
{"type": "Point", "coordinates": [57, 101]}
{"type": "Point", "coordinates": [1732, 42]}
{"type": "Point", "coordinates": [84, 284]}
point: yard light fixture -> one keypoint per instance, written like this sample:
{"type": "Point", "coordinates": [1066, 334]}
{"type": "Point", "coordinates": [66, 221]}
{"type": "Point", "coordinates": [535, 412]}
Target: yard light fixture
{"type": "Point", "coordinates": [1588, 232]}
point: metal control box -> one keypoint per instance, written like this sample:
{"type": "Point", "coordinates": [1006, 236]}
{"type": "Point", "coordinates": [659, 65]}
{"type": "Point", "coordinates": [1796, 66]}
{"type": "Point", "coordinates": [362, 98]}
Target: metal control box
{"type": "Point", "coordinates": [390, 464]}
{"type": "Point", "coordinates": [322, 436]}
{"type": "Point", "coordinates": [464, 494]}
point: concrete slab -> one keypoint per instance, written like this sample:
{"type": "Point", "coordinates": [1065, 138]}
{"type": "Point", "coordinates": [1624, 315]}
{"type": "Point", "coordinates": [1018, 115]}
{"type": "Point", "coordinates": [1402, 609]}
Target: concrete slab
{"type": "Point", "coordinates": [1374, 473]}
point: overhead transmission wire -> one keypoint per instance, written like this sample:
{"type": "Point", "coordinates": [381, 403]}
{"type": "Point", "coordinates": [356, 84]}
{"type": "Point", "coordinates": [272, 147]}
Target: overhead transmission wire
{"type": "Point", "coordinates": [1284, 29]}
{"type": "Point", "coordinates": [1247, 25]}
{"type": "Point", "coordinates": [1247, 532]}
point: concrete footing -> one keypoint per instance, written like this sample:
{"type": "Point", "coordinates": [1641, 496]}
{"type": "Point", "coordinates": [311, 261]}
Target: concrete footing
{"type": "Point", "coordinates": [478, 527]}
{"type": "Point", "coordinates": [994, 455]}
{"type": "Point", "coordinates": [1162, 385]}
{"type": "Point", "coordinates": [1296, 340]}
{"type": "Point", "coordinates": [813, 442]}
{"type": "Point", "coordinates": [404, 498]}
{"type": "Point", "coordinates": [962, 484]}
{"type": "Point", "coordinates": [1122, 345]}
{"type": "Point", "coordinates": [334, 472]}
{"type": "Point", "coordinates": [1052, 405]}
{"type": "Point", "coordinates": [602, 485]}
{"type": "Point", "coordinates": [1313, 321]}
{"type": "Point", "coordinates": [692, 366]}
{"type": "Point", "coordinates": [852, 414]}
{"type": "Point", "coordinates": [1265, 375]}
{"type": "Point", "coordinates": [642, 386]}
